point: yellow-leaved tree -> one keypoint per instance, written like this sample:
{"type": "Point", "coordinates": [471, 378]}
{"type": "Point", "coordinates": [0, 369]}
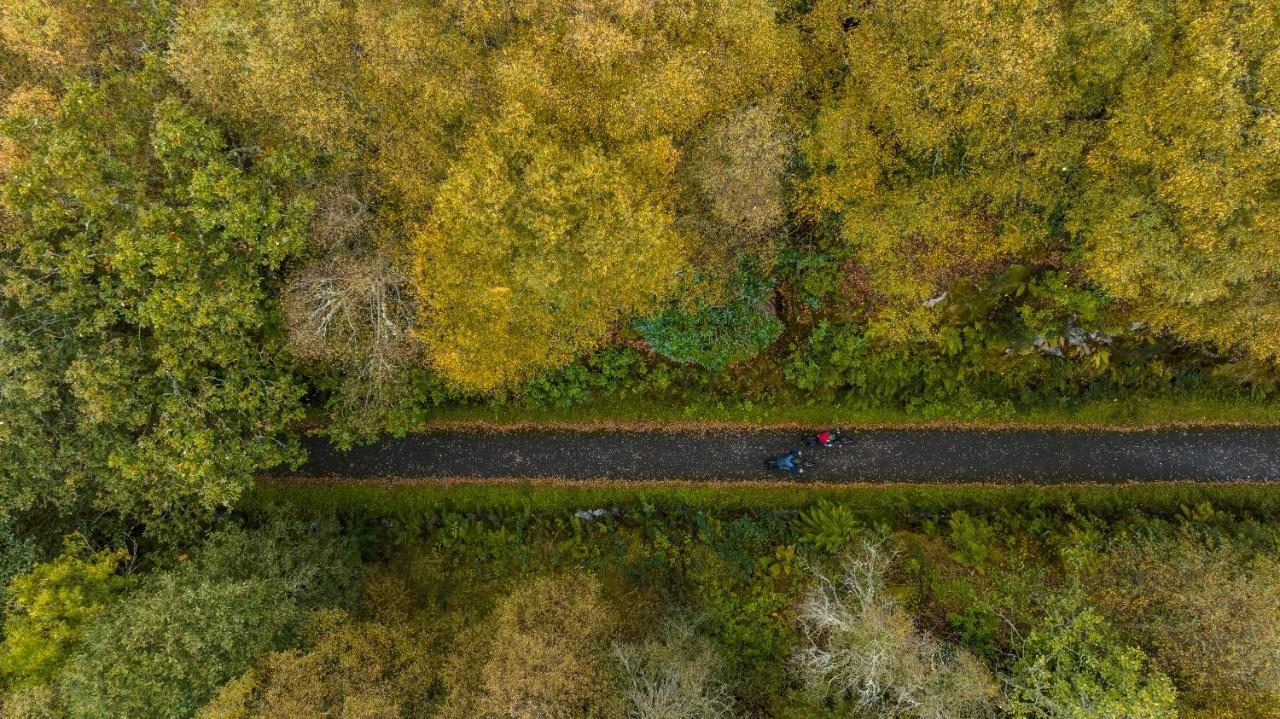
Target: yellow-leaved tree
{"type": "Point", "coordinates": [532, 251]}
{"type": "Point", "coordinates": [64, 38]}
{"type": "Point", "coordinates": [380, 84]}
{"type": "Point", "coordinates": [944, 151]}
{"type": "Point", "coordinates": [1182, 221]}
{"type": "Point", "coordinates": [603, 103]}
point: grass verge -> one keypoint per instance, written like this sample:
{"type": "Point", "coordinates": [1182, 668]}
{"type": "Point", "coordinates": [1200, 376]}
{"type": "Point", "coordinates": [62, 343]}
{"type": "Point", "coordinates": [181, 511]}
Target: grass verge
{"type": "Point", "coordinates": [410, 502]}
{"type": "Point", "coordinates": [1136, 414]}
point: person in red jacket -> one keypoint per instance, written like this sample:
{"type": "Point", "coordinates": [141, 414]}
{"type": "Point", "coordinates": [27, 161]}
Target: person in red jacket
{"type": "Point", "coordinates": [825, 438]}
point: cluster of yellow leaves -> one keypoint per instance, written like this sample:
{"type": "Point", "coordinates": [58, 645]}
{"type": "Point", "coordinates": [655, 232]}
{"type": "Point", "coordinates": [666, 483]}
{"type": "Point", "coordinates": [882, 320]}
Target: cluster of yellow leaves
{"type": "Point", "coordinates": [540, 656]}
{"type": "Point", "coordinates": [377, 83]}
{"type": "Point", "coordinates": [942, 149]}
{"type": "Point", "coordinates": [1183, 218]}
{"type": "Point", "coordinates": [351, 669]}
{"type": "Point", "coordinates": [66, 37]}
{"type": "Point", "coordinates": [533, 250]}
{"type": "Point", "coordinates": [31, 102]}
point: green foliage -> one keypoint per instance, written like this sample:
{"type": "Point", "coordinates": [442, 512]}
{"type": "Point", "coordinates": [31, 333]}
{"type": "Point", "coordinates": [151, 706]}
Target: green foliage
{"type": "Point", "coordinates": [50, 606]}
{"type": "Point", "coordinates": [1073, 664]}
{"type": "Point", "coordinates": [165, 649]}
{"type": "Point", "coordinates": [140, 367]}
{"type": "Point", "coordinates": [17, 555]}
{"type": "Point", "coordinates": [719, 336]}
{"type": "Point", "coordinates": [1207, 610]}
{"type": "Point", "coordinates": [974, 540]}
{"type": "Point", "coordinates": [744, 604]}
{"type": "Point", "coordinates": [829, 527]}
{"type": "Point", "coordinates": [447, 563]}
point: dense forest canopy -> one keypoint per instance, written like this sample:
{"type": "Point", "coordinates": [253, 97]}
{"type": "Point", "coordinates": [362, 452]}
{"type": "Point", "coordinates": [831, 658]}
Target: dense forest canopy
{"type": "Point", "coordinates": [219, 215]}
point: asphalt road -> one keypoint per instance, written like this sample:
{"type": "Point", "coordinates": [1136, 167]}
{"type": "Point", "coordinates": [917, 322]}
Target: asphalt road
{"type": "Point", "coordinates": [928, 456]}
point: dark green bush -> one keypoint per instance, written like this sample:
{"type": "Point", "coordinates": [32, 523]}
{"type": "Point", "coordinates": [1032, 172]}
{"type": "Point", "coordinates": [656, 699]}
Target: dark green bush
{"type": "Point", "coordinates": [163, 651]}
{"type": "Point", "coordinates": [718, 336]}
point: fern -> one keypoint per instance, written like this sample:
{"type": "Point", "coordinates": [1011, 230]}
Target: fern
{"type": "Point", "coordinates": [828, 526]}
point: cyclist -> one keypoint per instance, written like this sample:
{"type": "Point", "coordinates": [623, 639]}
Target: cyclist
{"type": "Point", "coordinates": [826, 438]}
{"type": "Point", "coordinates": [789, 462]}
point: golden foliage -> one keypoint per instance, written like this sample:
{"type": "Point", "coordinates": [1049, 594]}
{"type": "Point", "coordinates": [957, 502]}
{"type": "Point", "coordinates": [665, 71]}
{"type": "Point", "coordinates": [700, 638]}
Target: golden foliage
{"type": "Point", "coordinates": [532, 252]}
{"type": "Point", "coordinates": [942, 149]}
{"type": "Point", "coordinates": [529, 246]}
{"type": "Point", "coordinates": [351, 670]}
{"type": "Point", "coordinates": [64, 38]}
{"type": "Point", "coordinates": [1183, 213]}
{"type": "Point", "coordinates": [1210, 615]}
{"type": "Point", "coordinates": [541, 656]}
{"type": "Point", "coordinates": [32, 102]}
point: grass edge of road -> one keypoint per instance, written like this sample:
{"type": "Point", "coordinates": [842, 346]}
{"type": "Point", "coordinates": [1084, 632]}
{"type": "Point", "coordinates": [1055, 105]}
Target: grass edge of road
{"type": "Point", "coordinates": [1135, 415]}
{"type": "Point", "coordinates": [410, 502]}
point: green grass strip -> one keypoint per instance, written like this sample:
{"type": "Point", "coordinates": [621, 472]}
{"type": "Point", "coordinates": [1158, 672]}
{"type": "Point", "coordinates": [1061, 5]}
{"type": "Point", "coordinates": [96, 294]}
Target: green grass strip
{"type": "Point", "coordinates": [889, 503]}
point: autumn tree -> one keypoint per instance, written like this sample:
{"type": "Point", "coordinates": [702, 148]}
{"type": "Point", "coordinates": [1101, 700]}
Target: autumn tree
{"type": "Point", "coordinates": [349, 669]}
{"type": "Point", "coordinates": [409, 96]}
{"type": "Point", "coordinates": [1208, 613]}
{"type": "Point", "coordinates": [541, 655]}
{"type": "Point", "coordinates": [533, 251]}
{"type": "Point", "coordinates": [65, 38]}
{"type": "Point", "coordinates": [1182, 213]}
{"type": "Point", "coordinates": [377, 83]}
{"type": "Point", "coordinates": [140, 359]}
{"type": "Point", "coordinates": [944, 152]}
{"type": "Point", "coordinates": [735, 170]}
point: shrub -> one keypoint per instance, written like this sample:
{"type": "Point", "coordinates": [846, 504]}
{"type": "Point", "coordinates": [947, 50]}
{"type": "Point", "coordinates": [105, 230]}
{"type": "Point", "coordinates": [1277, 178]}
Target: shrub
{"type": "Point", "coordinates": [312, 561]}
{"type": "Point", "coordinates": [17, 555]}
{"type": "Point", "coordinates": [51, 605]}
{"type": "Point", "coordinates": [165, 649]}
{"type": "Point", "coordinates": [1210, 615]}
{"type": "Point", "coordinates": [862, 647]}
{"type": "Point", "coordinates": [718, 336]}
{"type": "Point", "coordinates": [973, 540]}
{"type": "Point", "coordinates": [351, 669]}
{"type": "Point", "coordinates": [540, 656]}
{"type": "Point", "coordinates": [1073, 665]}
{"type": "Point", "coordinates": [673, 677]}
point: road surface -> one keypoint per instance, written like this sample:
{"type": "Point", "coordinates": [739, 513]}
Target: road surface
{"type": "Point", "coordinates": [926, 456]}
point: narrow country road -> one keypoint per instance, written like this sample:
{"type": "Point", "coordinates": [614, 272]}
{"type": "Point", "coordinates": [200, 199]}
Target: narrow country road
{"type": "Point", "coordinates": [934, 456]}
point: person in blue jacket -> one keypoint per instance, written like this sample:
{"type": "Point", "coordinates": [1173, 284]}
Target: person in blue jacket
{"type": "Point", "coordinates": [789, 462]}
